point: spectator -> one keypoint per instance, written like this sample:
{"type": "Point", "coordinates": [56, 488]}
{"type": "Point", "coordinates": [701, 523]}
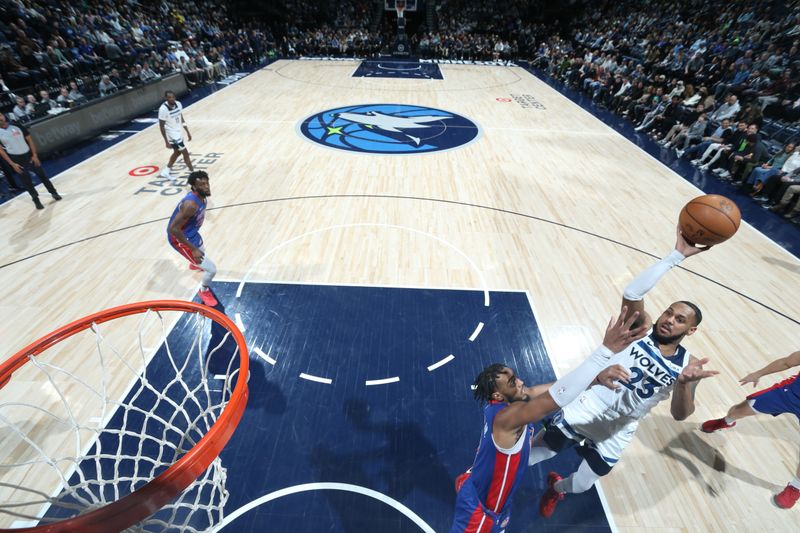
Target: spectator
{"type": "Point", "coordinates": [106, 86]}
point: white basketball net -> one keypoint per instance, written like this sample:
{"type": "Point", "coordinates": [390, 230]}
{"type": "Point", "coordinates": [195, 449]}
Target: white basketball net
{"type": "Point", "coordinates": [57, 455]}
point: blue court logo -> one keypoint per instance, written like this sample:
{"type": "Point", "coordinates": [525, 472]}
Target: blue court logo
{"type": "Point", "coordinates": [389, 129]}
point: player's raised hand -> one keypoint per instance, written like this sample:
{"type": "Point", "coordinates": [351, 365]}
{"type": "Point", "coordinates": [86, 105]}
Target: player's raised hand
{"type": "Point", "coordinates": [619, 333]}
{"type": "Point", "coordinates": [683, 246]}
{"type": "Point", "coordinates": [611, 375]}
{"type": "Point", "coordinates": [694, 371]}
{"type": "Point", "coordinates": [753, 378]}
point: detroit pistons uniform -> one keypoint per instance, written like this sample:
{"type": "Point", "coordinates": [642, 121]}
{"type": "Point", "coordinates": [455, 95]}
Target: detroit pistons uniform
{"type": "Point", "coordinates": [783, 397]}
{"type": "Point", "coordinates": [484, 500]}
{"type": "Point", "coordinates": [606, 420]}
{"type": "Point", "coordinates": [191, 230]}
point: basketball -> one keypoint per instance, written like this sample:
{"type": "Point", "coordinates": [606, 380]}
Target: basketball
{"type": "Point", "coordinates": [709, 219]}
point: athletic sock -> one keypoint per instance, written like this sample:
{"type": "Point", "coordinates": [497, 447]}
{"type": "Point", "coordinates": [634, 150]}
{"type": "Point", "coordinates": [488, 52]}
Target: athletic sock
{"type": "Point", "coordinates": [795, 483]}
{"type": "Point", "coordinates": [729, 420]}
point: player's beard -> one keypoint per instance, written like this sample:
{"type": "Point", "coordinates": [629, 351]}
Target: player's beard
{"type": "Point", "coordinates": [660, 339]}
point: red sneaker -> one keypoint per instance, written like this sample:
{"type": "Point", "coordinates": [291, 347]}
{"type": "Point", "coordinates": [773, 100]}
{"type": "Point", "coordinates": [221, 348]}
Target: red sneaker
{"type": "Point", "coordinates": [208, 297]}
{"type": "Point", "coordinates": [710, 426]}
{"type": "Point", "coordinates": [787, 497]}
{"type": "Point", "coordinates": [551, 496]}
{"type": "Point", "coordinates": [192, 266]}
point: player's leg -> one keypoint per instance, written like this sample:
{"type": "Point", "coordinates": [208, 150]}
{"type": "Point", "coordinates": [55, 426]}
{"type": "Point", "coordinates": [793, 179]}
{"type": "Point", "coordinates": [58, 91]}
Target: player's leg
{"type": "Point", "coordinates": [166, 172]}
{"type": "Point", "coordinates": [210, 270]}
{"type": "Point", "coordinates": [738, 411]}
{"type": "Point", "coordinates": [187, 159]}
{"type": "Point", "coordinates": [598, 460]}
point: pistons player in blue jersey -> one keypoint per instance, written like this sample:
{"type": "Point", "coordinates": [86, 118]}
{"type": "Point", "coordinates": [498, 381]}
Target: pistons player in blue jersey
{"type": "Point", "coordinates": [783, 397]}
{"type": "Point", "coordinates": [485, 491]}
{"type": "Point", "coordinates": [183, 232]}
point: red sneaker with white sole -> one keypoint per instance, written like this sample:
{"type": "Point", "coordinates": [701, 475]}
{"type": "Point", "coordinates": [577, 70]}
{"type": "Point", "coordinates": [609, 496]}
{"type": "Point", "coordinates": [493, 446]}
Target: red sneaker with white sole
{"type": "Point", "coordinates": [710, 426]}
{"type": "Point", "coordinates": [787, 497]}
{"type": "Point", "coordinates": [551, 497]}
{"type": "Point", "coordinates": [208, 297]}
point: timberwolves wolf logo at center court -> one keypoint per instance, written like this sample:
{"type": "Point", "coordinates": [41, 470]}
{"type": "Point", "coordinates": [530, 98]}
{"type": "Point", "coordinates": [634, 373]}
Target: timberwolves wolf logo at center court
{"type": "Point", "coordinates": [389, 129]}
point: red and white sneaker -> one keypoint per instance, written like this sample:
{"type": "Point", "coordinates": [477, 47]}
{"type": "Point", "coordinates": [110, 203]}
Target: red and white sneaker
{"type": "Point", "coordinates": [787, 497]}
{"type": "Point", "coordinates": [551, 497]}
{"type": "Point", "coordinates": [208, 297]}
{"type": "Point", "coordinates": [192, 266]}
{"type": "Point", "coordinates": [710, 426]}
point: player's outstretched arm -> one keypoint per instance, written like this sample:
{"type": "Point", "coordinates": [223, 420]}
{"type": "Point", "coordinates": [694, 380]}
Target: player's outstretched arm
{"type": "Point", "coordinates": [682, 405]}
{"type": "Point", "coordinates": [633, 296]}
{"type": "Point", "coordinates": [618, 336]}
{"type": "Point", "coordinates": [779, 365]}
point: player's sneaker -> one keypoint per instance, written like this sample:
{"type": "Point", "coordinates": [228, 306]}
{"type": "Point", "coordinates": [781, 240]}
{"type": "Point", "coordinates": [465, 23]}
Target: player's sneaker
{"type": "Point", "coordinates": [787, 497]}
{"type": "Point", "coordinates": [551, 496]}
{"type": "Point", "coordinates": [192, 266]}
{"type": "Point", "coordinates": [208, 297]}
{"type": "Point", "coordinates": [710, 426]}
{"type": "Point", "coordinates": [165, 173]}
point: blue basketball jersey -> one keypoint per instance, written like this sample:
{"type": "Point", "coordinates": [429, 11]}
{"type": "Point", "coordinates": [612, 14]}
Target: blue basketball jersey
{"type": "Point", "coordinates": [496, 473]}
{"type": "Point", "coordinates": [191, 230]}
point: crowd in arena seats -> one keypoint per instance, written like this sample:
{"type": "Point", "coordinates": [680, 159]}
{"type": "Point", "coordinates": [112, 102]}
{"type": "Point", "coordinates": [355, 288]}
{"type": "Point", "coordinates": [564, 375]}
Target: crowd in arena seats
{"type": "Point", "coordinates": [715, 82]}
{"type": "Point", "coordinates": [75, 52]}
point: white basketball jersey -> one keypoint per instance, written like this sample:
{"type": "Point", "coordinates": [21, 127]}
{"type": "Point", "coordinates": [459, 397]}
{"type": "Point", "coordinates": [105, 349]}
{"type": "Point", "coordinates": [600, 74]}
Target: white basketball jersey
{"type": "Point", "coordinates": [172, 119]}
{"type": "Point", "coordinates": [652, 378]}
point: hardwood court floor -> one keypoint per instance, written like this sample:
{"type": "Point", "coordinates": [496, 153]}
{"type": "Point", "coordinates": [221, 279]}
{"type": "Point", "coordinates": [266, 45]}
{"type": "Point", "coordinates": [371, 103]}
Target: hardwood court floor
{"type": "Point", "coordinates": [550, 201]}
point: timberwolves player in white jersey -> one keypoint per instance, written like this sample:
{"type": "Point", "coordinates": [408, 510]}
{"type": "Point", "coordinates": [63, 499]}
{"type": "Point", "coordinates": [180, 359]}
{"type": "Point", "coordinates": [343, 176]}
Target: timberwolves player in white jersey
{"type": "Point", "coordinates": [602, 422]}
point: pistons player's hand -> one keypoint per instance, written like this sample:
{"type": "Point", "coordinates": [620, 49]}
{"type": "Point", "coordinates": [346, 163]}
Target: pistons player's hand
{"type": "Point", "coordinates": [750, 378]}
{"type": "Point", "coordinates": [610, 376]}
{"type": "Point", "coordinates": [197, 253]}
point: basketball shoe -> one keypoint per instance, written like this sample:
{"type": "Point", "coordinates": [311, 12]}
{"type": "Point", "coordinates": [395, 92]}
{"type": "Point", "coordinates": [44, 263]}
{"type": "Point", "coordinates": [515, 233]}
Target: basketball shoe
{"type": "Point", "coordinates": [207, 297]}
{"type": "Point", "coordinates": [787, 497]}
{"type": "Point", "coordinates": [165, 173]}
{"type": "Point", "coordinates": [551, 497]}
{"type": "Point", "coordinates": [710, 426]}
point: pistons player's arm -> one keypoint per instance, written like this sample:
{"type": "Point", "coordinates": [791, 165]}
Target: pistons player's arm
{"type": "Point", "coordinates": [682, 405]}
{"type": "Point", "coordinates": [779, 365]}
{"type": "Point", "coordinates": [509, 422]}
{"type": "Point", "coordinates": [187, 210]}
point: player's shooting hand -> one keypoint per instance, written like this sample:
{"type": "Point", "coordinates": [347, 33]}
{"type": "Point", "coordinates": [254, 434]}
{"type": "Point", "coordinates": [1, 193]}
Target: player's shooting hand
{"type": "Point", "coordinates": [683, 246]}
{"type": "Point", "coordinates": [750, 378]}
{"type": "Point", "coordinates": [694, 371]}
{"type": "Point", "coordinates": [619, 333]}
{"type": "Point", "coordinates": [611, 375]}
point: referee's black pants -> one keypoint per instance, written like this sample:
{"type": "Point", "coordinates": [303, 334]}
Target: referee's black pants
{"type": "Point", "coordinates": [24, 160]}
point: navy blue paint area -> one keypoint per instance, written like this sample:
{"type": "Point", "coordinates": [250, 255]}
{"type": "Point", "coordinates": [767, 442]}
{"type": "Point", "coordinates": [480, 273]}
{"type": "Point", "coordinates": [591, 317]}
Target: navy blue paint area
{"type": "Point", "coordinates": [774, 226]}
{"type": "Point", "coordinates": [408, 440]}
{"type": "Point", "coordinates": [398, 69]}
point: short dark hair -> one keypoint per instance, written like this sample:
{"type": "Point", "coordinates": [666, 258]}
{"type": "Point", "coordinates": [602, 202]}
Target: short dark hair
{"type": "Point", "coordinates": [196, 175]}
{"type": "Point", "coordinates": [485, 384]}
{"type": "Point", "coordinates": [698, 314]}
{"type": "Point", "coordinates": [167, 93]}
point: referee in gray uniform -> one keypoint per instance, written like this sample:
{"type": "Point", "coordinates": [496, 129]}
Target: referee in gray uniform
{"type": "Point", "coordinates": [19, 151]}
